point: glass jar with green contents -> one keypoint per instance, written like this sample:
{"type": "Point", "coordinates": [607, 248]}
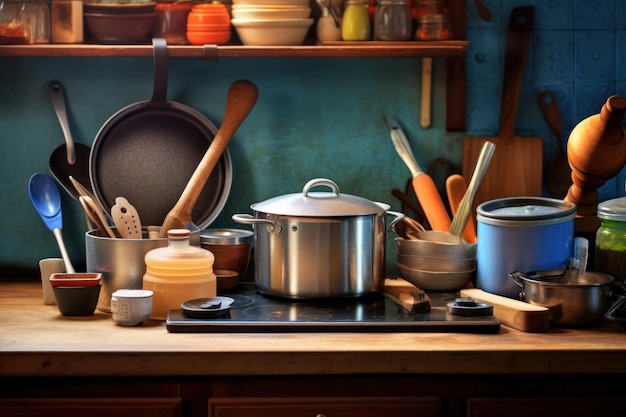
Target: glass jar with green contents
{"type": "Point", "coordinates": [610, 254]}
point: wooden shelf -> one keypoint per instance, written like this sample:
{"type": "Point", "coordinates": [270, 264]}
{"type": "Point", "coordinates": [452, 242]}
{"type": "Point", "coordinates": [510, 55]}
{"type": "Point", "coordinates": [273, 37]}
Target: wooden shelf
{"type": "Point", "coordinates": [212, 52]}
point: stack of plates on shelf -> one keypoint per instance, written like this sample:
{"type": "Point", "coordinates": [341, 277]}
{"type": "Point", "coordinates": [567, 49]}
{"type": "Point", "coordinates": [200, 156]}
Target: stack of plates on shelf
{"type": "Point", "coordinates": [271, 22]}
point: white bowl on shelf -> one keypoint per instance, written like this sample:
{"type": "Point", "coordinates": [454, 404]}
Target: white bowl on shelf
{"type": "Point", "coordinates": [272, 2]}
{"type": "Point", "coordinates": [278, 32]}
{"type": "Point", "coordinates": [262, 13]}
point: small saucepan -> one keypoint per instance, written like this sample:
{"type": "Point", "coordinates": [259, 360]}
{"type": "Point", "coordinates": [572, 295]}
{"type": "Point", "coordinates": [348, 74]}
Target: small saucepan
{"type": "Point", "coordinates": [574, 299]}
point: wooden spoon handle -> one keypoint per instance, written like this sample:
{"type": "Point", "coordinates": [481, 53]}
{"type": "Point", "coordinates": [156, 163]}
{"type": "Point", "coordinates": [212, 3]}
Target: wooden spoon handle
{"type": "Point", "coordinates": [242, 96]}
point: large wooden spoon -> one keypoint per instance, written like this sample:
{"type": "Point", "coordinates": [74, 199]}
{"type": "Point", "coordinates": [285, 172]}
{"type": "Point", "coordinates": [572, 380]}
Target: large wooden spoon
{"type": "Point", "coordinates": [242, 96]}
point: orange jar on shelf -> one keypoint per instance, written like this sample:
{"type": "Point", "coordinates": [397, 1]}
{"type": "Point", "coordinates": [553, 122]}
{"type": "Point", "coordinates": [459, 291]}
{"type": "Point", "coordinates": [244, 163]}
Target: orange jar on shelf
{"type": "Point", "coordinates": [171, 21]}
{"type": "Point", "coordinates": [208, 23]}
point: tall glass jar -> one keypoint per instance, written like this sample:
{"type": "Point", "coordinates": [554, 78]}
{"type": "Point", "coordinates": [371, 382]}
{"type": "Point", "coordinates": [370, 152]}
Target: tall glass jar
{"type": "Point", "coordinates": [24, 22]}
{"type": "Point", "coordinates": [355, 24]}
{"type": "Point", "coordinates": [392, 20]}
{"type": "Point", "coordinates": [610, 251]}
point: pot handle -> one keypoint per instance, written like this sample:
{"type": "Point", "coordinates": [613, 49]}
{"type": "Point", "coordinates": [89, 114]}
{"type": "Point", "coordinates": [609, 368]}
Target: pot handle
{"type": "Point", "coordinates": [320, 181]}
{"type": "Point", "coordinates": [251, 220]}
{"type": "Point", "coordinates": [518, 278]}
{"type": "Point", "coordinates": [398, 217]}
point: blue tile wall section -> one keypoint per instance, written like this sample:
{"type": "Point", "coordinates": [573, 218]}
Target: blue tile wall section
{"type": "Point", "coordinates": [314, 117]}
{"type": "Point", "coordinates": [578, 52]}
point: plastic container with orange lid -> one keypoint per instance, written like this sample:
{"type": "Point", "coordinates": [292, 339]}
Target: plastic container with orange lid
{"type": "Point", "coordinates": [178, 273]}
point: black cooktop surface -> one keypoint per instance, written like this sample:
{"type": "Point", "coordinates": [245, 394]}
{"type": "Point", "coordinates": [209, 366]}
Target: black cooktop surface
{"type": "Point", "coordinates": [253, 312]}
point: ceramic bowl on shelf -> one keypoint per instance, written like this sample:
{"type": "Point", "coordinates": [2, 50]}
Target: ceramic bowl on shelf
{"type": "Point", "coordinates": [271, 2]}
{"type": "Point", "coordinates": [120, 28]}
{"type": "Point", "coordinates": [119, 8]}
{"type": "Point", "coordinates": [270, 13]}
{"type": "Point", "coordinates": [279, 32]}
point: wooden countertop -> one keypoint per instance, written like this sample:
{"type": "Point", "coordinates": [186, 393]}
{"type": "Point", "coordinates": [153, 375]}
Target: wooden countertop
{"type": "Point", "coordinates": [35, 340]}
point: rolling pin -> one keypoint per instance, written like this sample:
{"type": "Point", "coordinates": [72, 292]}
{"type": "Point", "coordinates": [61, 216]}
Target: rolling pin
{"type": "Point", "coordinates": [513, 313]}
{"type": "Point", "coordinates": [406, 295]}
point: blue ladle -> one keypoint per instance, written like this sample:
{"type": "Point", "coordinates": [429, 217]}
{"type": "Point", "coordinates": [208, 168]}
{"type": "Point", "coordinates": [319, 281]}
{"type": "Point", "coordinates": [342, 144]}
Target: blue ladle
{"type": "Point", "coordinates": [45, 196]}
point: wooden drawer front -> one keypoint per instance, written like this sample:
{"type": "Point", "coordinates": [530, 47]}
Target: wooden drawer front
{"type": "Point", "coordinates": [325, 406]}
{"type": "Point", "coordinates": [92, 407]}
{"type": "Point", "coordinates": [547, 406]}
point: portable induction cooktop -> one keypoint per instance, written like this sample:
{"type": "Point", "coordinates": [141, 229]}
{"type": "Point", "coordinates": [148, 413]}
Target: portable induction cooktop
{"type": "Point", "coordinates": [252, 312]}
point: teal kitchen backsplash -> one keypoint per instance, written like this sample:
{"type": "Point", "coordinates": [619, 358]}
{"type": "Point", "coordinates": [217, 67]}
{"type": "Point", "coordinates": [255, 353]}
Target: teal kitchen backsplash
{"type": "Point", "coordinates": [314, 117]}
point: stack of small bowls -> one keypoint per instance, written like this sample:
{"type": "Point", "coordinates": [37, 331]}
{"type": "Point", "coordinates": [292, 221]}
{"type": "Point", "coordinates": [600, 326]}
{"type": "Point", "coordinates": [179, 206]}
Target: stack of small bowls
{"type": "Point", "coordinates": [208, 23]}
{"type": "Point", "coordinates": [436, 266]}
{"type": "Point", "coordinates": [271, 22]}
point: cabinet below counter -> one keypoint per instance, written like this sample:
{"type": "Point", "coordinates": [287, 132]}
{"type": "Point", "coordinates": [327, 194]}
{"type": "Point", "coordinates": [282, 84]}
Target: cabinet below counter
{"type": "Point", "coordinates": [89, 366]}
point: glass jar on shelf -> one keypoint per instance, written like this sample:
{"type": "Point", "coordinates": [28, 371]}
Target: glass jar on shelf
{"type": "Point", "coordinates": [24, 22]}
{"type": "Point", "coordinates": [355, 23]}
{"type": "Point", "coordinates": [392, 21]}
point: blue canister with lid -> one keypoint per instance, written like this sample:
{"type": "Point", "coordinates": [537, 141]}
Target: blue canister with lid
{"type": "Point", "coordinates": [521, 234]}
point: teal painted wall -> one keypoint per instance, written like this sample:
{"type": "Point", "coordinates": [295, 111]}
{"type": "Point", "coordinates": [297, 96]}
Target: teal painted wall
{"type": "Point", "coordinates": [314, 117]}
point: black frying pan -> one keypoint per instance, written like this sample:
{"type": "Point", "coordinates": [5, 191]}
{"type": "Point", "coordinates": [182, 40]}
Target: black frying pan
{"type": "Point", "coordinates": [148, 151]}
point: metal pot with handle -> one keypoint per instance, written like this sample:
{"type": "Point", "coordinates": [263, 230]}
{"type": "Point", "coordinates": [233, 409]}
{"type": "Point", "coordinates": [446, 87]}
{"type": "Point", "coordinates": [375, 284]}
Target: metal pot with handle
{"type": "Point", "coordinates": [319, 244]}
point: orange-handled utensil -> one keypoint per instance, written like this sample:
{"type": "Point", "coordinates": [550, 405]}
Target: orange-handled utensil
{"type": "Point", "coordinates": [424, 186]}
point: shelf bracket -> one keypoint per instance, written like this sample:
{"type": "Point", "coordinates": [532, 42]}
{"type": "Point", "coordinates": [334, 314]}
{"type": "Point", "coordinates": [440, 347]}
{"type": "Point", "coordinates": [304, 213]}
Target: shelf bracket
{"type": "Point", "coordinates": [209, 52]}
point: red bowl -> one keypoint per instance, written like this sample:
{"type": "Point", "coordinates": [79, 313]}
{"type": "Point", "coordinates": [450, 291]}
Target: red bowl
{"type": "Point", "coordinates": [209, 37]}
{"type": "Point", "coordinates": [77, 279]}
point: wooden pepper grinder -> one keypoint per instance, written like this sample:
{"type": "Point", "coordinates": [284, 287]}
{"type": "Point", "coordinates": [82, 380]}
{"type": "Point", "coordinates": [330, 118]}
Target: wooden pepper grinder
{"type": "Point", "coordinates": [596, 151]}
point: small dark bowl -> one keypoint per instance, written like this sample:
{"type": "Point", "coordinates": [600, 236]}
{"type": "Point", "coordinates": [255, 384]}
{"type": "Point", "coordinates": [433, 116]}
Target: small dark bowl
{"type": "Point", "coordinates": [119, 8]}
{"type": "Point", "coordinates": [77, 301]}
{"type": "Point", "coordinates": [120, 28]}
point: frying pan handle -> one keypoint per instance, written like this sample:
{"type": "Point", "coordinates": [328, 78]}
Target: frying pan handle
{"type": "Point", "coordinates": [159, 93]}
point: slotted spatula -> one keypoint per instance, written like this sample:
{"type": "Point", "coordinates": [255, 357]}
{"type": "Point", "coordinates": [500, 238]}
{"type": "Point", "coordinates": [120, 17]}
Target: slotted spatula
{"type": "Point", "coordinates": [126, 219]}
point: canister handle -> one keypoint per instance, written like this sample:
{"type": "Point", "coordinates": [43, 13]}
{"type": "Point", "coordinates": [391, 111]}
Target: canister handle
{"type": "Point", "coordinates": [320, 181]}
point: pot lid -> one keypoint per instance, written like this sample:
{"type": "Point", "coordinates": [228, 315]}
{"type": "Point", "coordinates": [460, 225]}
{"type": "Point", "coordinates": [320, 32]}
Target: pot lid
{"type": "Point", "coordinates": [614, 209]}
{"type": "Point", "coordinates": [319, 204]}
{"type": "Point", "coordinates": [525, 209]}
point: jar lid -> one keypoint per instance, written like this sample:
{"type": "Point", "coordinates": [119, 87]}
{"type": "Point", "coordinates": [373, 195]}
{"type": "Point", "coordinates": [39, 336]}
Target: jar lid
{"type": "Point", "coordinates": [614, 209]}
{"type": "Point", "coordinates": [226, 236]}
{"type": "Point", "coordinates": [319, 204]}
{"type": "Point", "coordinates": [525, 210]}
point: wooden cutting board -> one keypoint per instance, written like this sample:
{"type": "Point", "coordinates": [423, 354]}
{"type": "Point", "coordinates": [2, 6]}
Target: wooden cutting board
{"type": "Point", "coordinates": [516, 166]}
{"type": "Point", "coordinates": [513, 313]}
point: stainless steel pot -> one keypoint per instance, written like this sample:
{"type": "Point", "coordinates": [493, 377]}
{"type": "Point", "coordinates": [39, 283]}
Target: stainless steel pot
{"type": "Point", "coordinates": [574, 299]}
{"type": "Point", "coordinates": [319, 244]}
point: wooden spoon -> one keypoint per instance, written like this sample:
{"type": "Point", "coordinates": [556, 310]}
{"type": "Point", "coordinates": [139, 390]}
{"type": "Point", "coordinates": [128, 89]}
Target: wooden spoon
{"type": "Point", "coordinates": [96, 215]}
{"type": "Point", "coordinates": [242, 96]}
{"type": "Point", "coordinates": [456, 186]}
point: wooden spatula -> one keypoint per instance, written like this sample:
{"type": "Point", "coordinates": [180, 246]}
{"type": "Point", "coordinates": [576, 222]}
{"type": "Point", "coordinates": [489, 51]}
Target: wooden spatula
{"type": "Point", "coordinates": [242, 96]}
{"type": "Point", "coordinates": [126, 219]}
{"type": "Point", "coordinates": [516, 167]}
